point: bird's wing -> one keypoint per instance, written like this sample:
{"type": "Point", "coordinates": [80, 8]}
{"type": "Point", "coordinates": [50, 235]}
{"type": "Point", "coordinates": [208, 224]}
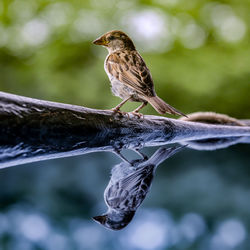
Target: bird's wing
{"type": "Point", "coordinates": [130, 69]}
{"type": "Point", "coordinates": [130, 191]}
{"type": "Point", "coordinates": [142, 176]}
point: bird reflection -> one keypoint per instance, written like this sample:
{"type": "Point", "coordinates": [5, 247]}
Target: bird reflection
{"type": "Point", "coordinates": [128, 187]}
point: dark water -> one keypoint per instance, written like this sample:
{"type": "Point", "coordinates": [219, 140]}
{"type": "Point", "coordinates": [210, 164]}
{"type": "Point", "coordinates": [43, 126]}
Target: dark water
{"type": "Point", "coordinates": [197, 200]}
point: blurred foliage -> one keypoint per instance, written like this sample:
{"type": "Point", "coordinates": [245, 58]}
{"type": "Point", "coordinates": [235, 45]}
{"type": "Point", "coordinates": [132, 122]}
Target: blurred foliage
{"type": "Point", "coordinates": [198, 51]}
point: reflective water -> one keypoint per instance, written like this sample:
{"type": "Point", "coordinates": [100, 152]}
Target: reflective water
{"type": "Point", "coordinates": [196, 200]}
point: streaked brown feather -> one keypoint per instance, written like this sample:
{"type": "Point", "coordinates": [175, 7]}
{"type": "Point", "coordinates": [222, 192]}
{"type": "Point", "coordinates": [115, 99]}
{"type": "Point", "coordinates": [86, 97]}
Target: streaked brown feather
{"type": "Point", "coordinates": [131, 70]}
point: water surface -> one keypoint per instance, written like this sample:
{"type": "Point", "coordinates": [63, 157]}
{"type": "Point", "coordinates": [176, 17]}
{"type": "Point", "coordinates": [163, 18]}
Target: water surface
{"type": "Point", "coordinates": [198, 200]}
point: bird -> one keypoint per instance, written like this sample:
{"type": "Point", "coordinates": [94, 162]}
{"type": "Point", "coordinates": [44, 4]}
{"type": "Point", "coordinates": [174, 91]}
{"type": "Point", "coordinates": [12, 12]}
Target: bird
{"type": "Point", "coordinates": [130, 78]}
{"type": "Point", "coordinates": [128, 187]}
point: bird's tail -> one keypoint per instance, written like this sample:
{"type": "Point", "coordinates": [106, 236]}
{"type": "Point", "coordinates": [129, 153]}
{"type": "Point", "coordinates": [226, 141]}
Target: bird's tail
{"type": "Point", "coordinates": [161, 107]}
{"type": "Point", "coordinates": [163, 153]}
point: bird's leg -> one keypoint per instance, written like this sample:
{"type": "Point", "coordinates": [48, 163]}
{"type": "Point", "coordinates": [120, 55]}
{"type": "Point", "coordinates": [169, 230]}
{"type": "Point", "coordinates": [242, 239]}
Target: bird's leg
{"type": "Point", "coordinates": [118, 153]}
{"type": "Point", "coordinates": [140, 107]}
{"type": "Point", "coordinates": [117, 108]}
{"type": "Point", "coordinates": [136, 111]}
{"type": "Point", "coordinates": [143, 156]}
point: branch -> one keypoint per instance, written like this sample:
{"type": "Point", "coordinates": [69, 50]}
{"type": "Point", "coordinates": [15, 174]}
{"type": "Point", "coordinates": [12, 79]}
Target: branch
{"type": "Point", "coordinates": [34, 130]}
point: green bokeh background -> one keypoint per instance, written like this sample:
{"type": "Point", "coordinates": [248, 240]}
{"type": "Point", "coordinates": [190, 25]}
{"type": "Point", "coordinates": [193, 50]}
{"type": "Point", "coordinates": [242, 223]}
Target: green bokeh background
{"type": "Point", "coordinates": [197, 51]}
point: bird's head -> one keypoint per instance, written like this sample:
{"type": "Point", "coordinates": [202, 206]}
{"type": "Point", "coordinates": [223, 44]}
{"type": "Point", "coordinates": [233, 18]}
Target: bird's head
{"type": "Point", "coordinates": [114, 221]}
{"type": "Point", "coordinates": [115, 40]}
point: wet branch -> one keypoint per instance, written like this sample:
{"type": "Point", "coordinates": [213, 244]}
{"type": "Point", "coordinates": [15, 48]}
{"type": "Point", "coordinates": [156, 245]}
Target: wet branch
{"type": "Point", "coordinates": [32, 130]}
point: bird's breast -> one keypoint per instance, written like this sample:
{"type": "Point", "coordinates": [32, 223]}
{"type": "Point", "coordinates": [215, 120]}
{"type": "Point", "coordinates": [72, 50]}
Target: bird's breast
{"type": "Point", "coordinates": [120, 89]}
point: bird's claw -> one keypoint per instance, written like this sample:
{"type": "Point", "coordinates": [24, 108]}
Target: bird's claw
{"type": "Point", "coordinates": [118, 111]}
{"type": "Point", "coordinates": [137, 114]}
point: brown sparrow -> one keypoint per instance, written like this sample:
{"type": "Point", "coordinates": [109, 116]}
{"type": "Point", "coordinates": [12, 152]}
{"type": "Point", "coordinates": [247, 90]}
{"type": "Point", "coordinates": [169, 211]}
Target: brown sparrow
{"type": "Point", "coordinates": [129, 76]}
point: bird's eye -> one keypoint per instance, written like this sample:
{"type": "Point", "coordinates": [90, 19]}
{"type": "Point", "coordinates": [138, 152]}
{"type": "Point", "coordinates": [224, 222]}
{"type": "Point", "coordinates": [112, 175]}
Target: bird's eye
{"type": "Point", "coordinates": [111, 38]}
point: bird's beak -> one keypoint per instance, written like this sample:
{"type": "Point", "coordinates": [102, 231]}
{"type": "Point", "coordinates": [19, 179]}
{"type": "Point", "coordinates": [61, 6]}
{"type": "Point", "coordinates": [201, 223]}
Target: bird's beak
{"type": "Point", "coordinates": [100, 219]}
{"type": "Point", "coordinates": [101, 41]}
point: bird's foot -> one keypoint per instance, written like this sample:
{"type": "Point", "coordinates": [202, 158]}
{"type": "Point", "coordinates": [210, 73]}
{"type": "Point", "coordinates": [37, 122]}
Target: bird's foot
{"type": "Point", "coordinates": [119, 112]}
{"type": "Point", "coordinates": [137, 114]}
